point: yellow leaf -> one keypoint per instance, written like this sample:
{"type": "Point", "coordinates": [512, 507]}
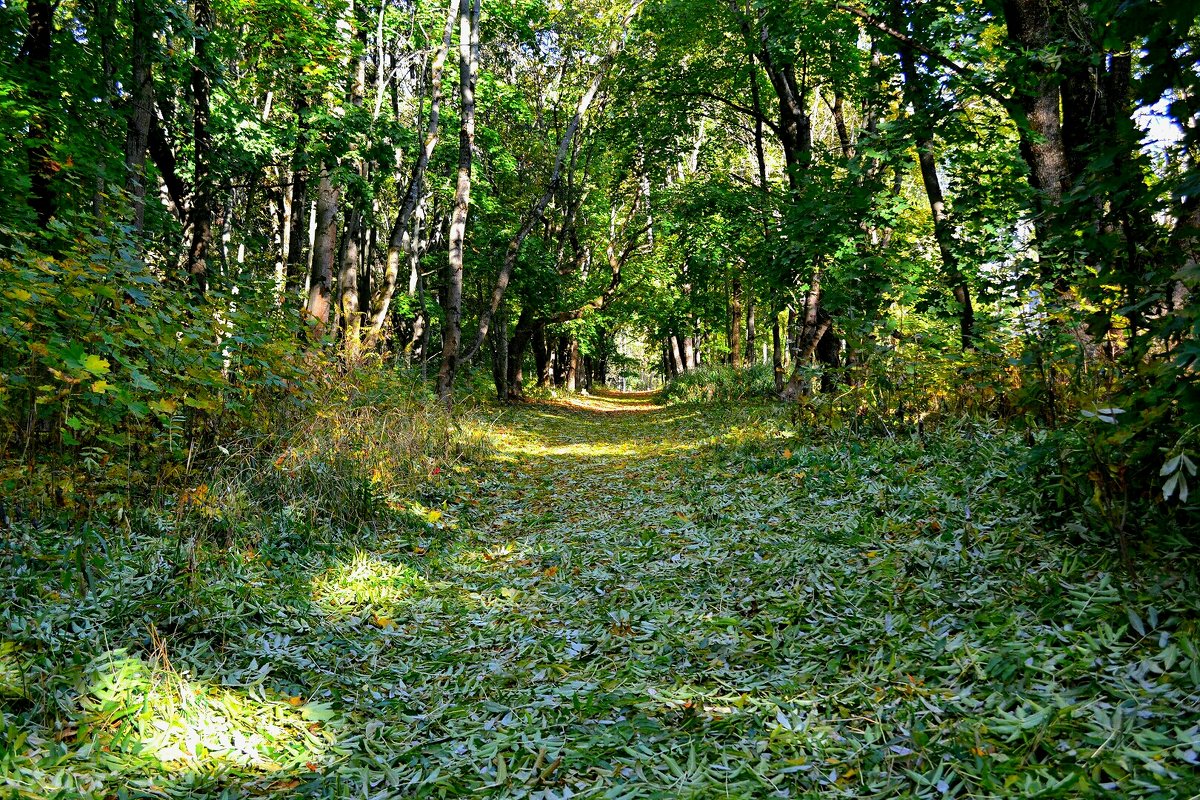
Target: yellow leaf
{"type": "Point", "coordinates": [100, 387]}
{"type": "Point", "coordinates": [20, 295]}
{"type": "Point", "coordinates": [96, 365]}
{"type": "Point", "coordinates": [296, 701]}
{"type": "Point", "coordinates": [382, 622]}
{"type": "Point", "coordinates": [433, 516]}
{"type": "Point", "coordinates": [164, 406]}
{"type": "Point", "coordinates": [787, 453]}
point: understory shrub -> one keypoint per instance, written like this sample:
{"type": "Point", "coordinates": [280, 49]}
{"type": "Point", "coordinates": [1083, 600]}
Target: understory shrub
{"type": "Point", "coordinates": [721, 384]}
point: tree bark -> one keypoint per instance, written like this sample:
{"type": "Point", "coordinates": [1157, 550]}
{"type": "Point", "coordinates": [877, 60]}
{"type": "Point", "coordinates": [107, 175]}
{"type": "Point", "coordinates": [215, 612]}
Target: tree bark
{"type": "Point", "coordinates": [137, 136]}
{"type": "Point", "coordinates": [348, 275]}
{"type": "Point", "coordinates": [541, 355]}
{"type": "Point", "coordinates": [500, 362]}
{"type": "Point", "coordinates": [168, 169]}
{"type": "Point", "coordinates": [348, 285]}
{"type": "Point", "coordinates": [572, 379]}
{"type": "Point", "coordinates": [468, 59]}
{"type": "Point", "coordinates": [296, 259]}
{"type": "Point", "coordinates": [1031, 25]}
{"type": "Point", "coordinates": [751, 356]}
{"type": "Point", "coordinates": [735, 319]}
{"type": "Point", "coordinates": [320, 289]}
{"type": "Point", "coordinates": [777, 351]}
{"type": "Point", "coordinates": [523, 333]}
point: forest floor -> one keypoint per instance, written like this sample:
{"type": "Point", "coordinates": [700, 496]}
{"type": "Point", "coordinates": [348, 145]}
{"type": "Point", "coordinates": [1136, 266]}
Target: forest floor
{"type": "Point", "coordinates": [625, 600]}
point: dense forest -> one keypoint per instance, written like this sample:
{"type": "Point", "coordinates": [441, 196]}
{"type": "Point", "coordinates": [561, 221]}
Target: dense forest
{"type": "Point", "coordinates": [338, 337]}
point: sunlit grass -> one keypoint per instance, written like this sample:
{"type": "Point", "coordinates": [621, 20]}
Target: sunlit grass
{"type": "Point", "coordinates": [153, 726]}
{"type": "Point", "coordinates": [366, 582]}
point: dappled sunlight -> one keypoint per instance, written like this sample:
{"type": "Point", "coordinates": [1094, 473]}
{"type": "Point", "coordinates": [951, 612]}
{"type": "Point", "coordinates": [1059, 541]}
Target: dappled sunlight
{"type": "Point", "coordinates": [607, 401]}
{"type": "Point", "coordinates": [690, 601]}
{"type": "Point", "coordinates": [156, 727]}
{"type": "Point", "coordinates": [519, 446]}
{"type": "Point", "coordinates": [582, 428]}
{"type": "Point", "coordinates": [366, 582]}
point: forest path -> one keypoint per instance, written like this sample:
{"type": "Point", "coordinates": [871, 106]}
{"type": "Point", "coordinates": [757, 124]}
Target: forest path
{"type": "Point", "coordinates": [587, 612]}
{"type": "Point", "coordinates": [614, 599]}
{"type": "Point", "coordinates": [618, 599]}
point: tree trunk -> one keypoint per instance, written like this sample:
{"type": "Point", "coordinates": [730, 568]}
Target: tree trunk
{"type": "Point", "coordinates": [777, 351]}
{"type": "Point", "coordinates": [813, 332]}
{"type": "Point", "coordinates": [348, 286]}
{"type": "Point", "coordinates": [525, 331]}
{"type": "Point", "coordinates": [561, 360]}
{"type": "Point", "coordinates": [296, 259]}
{"type": "Point", "coordinates": [541, 356]}
{"type": "Point", "coordinates": [348, 275]}
{"type": "Point", "coordinates": [751, 356]}
{"type": "Point", "coordinates": [320, 287]}
{"type": "Point", "coordinates": [917, 95]}
{"type": "Point", "coordinates": [500, 361]}
{"type": "Point", "coordinates": [1031, 25]}
{"type": "Point", "coordinates": [137, 136]}
{"type": "Point", "coordinates": [688, 344]}
{"type": "Point", "coordinates": [572, 366]}
{"type": "Point", "coordinates": [468, 59]}
{"type": "Point", "coordinates": [735, 319]}
{"type": "Point", "coordinates": [202, 182]}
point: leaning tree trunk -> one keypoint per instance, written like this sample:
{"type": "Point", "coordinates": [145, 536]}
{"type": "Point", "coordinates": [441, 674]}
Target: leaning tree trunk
{"type": "Point", "coordinates": [400, 240]}
{"type": "Point", "coordinates": [535, 214]}
{"type": "Point", "coordinates": [468, 61]}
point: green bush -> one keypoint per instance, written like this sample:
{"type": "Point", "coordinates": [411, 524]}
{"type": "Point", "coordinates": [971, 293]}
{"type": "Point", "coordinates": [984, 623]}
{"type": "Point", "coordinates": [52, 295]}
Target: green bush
{"type": "Point", "coordinates": [721, 383]}
{"type": "Point", "coordinates": [111, 374]}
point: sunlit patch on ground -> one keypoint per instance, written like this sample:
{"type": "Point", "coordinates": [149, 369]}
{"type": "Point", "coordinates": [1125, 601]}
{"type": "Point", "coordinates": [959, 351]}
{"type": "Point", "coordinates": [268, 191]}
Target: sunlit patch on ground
{"type": "Point", "coordinates": [366, 582]}
{"type": "Point", "coordinates": [157, 731]}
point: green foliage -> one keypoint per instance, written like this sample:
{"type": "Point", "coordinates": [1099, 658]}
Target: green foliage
{"type": "Point", "coordinates": [759, 610]}
{"type": "Point", "coordinates": [721, 384]}
{"type": "Point", "coordinates": [111, 374]}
